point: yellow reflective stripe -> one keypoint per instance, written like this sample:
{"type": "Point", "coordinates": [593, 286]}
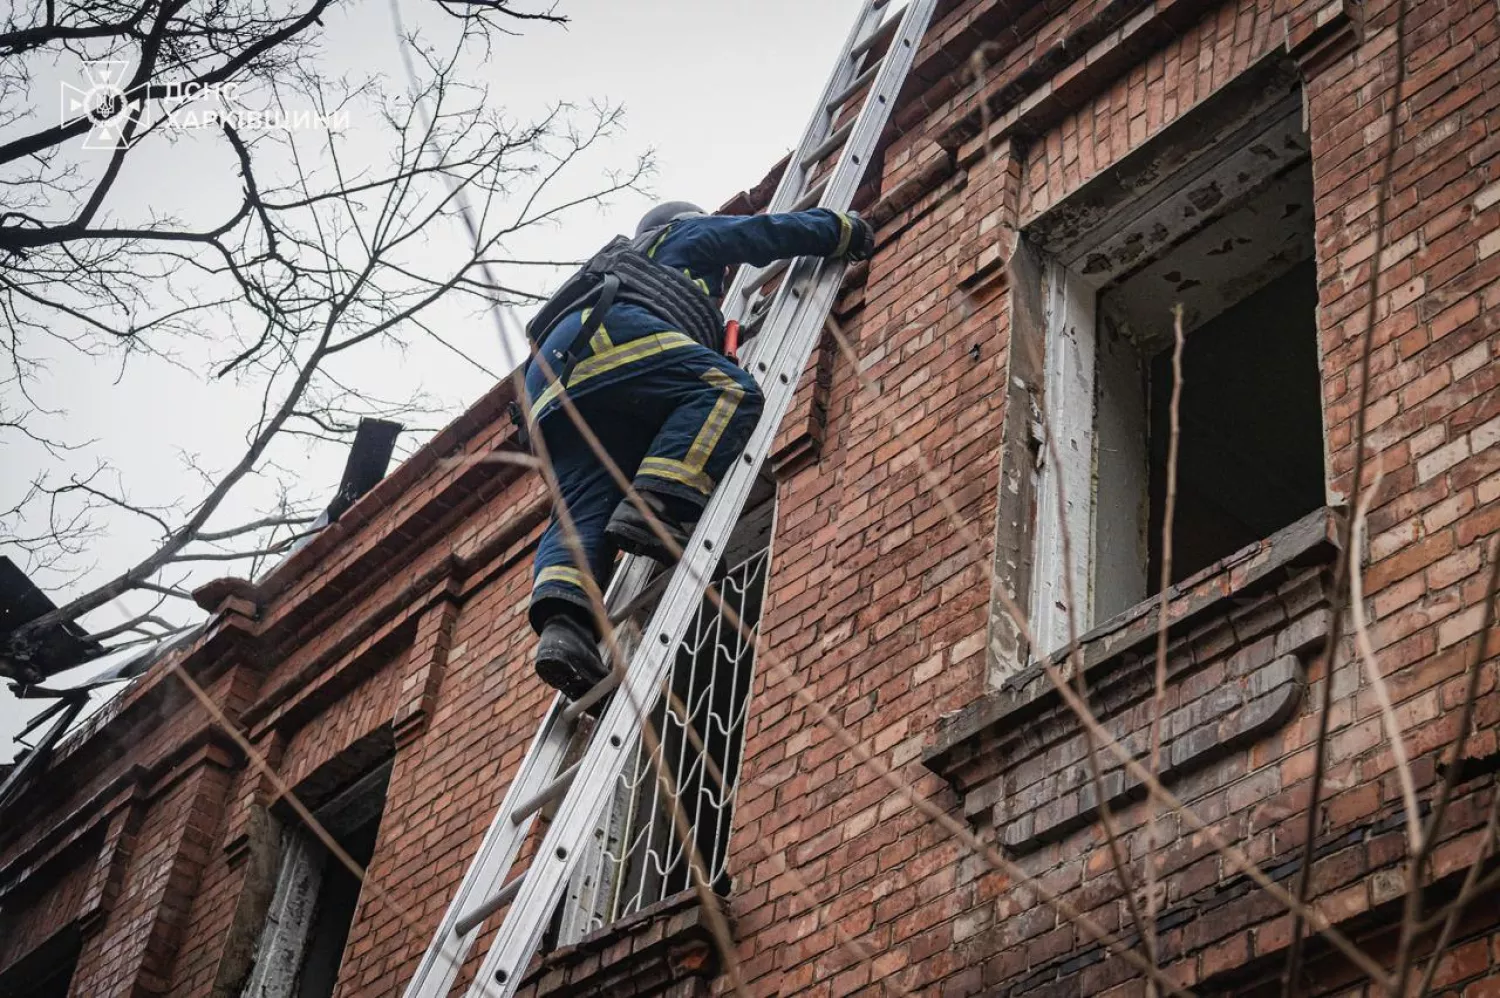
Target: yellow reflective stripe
{"type": "Point", "coordinates": [677, 471]}
{"type": "Point", "coordinates": [719, 379]}
{"type": "Point", "coordinates": [559, 573]}
{"type": "Point", "coordinates": [600, 341]}
{"type": "Point", "coordinates": [659, 240]}
{"type": "Point", "coordinates": [718, 418]}
{"type": "Point", "coordinates": [846, 233]}
{"type": "Point", "coordinates": [609, 360]}
{"type": "Point", "coordinates": [702, 284]}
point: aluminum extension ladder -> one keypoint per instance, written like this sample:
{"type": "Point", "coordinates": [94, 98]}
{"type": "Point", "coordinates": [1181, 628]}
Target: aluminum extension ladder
{"type": "Point", "coordinates": [791, 324]}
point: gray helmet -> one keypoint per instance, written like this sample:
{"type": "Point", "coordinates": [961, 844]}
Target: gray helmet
{"type": "Point", "coordinates": [667, 212]}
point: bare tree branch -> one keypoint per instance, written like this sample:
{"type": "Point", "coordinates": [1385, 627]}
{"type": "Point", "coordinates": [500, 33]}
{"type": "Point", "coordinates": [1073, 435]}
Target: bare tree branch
{"type": "Point", "coordinates": [322, 263]}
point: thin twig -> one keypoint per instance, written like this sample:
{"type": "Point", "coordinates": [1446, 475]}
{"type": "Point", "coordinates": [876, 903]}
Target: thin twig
{"type": "Point", "coordinates": [1466, 894]}
{"type": "Point", "coordinates": [285, 792]}
{"type": "Point", "coordinates": [1153, 786]}
{"type": "Point", "coordinates": [1412, 914]}
{"type": "Point", "coordinates": [1164, 617]}
{"type": "Point", "coordinates": [824, 717]}
{"type": "Point", "coordinates": [718, 924]}
{"type": "Point", "coordinates": [1366, 650]}
{"type": "Point", "coordinates": [1291, 973]}
{"type": "Point", "coordinates": [1119, 857]}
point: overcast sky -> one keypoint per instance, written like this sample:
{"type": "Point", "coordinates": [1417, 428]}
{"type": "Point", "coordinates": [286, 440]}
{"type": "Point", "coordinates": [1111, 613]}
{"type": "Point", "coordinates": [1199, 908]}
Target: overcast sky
{"type": "Point", "coordinates": [718, 89]}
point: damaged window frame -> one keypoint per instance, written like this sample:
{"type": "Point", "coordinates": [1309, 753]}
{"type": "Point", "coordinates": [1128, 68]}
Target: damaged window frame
{"type": "Point", "coordinates": [1244, 143]}
{"type": "Point", "coordinates": [297, 934]}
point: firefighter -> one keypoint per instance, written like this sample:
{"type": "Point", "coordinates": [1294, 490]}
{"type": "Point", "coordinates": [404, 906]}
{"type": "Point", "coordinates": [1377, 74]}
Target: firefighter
{"type": "Point", "coordinates": [637, 339]}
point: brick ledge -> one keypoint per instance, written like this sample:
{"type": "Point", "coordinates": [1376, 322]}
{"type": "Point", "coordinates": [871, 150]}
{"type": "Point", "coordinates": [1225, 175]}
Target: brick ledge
{"type": "Point", "coordinates": [663, 951]}
{"type": "Point", "coordinates": [1310, 540]}
{"type": "Point", "coordinates": [1239, 632]}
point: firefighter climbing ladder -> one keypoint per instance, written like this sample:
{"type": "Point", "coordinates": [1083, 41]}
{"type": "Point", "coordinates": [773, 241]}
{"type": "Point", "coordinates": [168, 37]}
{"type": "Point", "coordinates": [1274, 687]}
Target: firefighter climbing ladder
{"type": "Point", "coordinates": [792, 321]}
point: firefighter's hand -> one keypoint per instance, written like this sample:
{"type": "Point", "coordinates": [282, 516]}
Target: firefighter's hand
{"type": "Point", "coordinates": [861, 240]}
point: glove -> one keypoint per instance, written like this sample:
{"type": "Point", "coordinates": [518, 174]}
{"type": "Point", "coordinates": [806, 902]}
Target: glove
{"type": "Point", "coordinates": [861, 240]}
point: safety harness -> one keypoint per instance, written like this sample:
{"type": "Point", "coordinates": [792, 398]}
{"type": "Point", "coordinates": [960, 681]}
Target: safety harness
{"type": "Point", "coordinates": [624, 272]}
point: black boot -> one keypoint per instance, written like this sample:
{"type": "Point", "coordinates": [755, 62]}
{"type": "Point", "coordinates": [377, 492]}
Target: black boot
{"type": "Point", "coordinates": [567, 657]}
{"type": "Point", "coordinates": [630, 531]}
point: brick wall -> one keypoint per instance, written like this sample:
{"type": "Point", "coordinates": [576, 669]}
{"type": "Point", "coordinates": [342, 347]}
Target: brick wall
{"type": "Point", "coordinates": [406, 619]}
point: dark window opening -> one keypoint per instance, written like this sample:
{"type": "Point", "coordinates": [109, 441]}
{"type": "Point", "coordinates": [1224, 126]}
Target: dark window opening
{"type": "Point", "coordinates": [639, 855]}
{"type": "Point", "coordinates": [312, 910]}
{"type": "Point", "coordinates": [1250, 451]}
{"type": "Point", "coordinates": [1250, 457]}
{"type": "Point", "coordinates": [1214, 216]}
{"type": "Point", "coordinates": [48, 971]}
{"type": "Point", "coordinates": [712, 680]}
{"type": "Point", "coordinates": [338, 897]}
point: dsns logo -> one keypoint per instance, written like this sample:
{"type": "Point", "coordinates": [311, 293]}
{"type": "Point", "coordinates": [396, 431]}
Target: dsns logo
{"type": "Point", "coordinates": [102, 100]}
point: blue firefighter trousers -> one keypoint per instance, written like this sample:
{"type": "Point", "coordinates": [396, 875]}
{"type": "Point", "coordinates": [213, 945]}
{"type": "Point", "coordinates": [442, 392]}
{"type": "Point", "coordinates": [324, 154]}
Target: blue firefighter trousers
{"type": "Point", "coordinates": [674, 427]}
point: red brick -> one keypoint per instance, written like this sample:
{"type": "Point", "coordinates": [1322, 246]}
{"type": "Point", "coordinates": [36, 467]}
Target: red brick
{"type": "Point", "coordinates": [878, 603]}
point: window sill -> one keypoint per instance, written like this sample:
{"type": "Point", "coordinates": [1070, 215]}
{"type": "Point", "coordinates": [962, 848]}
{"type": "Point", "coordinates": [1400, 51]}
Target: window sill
{"type": "Point", "coordinates": [665, 950]}
{"type": "Point", "coordinates": [1239, 634]}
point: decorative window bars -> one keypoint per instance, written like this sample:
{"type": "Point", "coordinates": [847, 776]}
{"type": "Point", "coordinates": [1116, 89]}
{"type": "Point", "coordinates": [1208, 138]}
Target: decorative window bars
{"type": "Point", "coordinates": [637, 856]}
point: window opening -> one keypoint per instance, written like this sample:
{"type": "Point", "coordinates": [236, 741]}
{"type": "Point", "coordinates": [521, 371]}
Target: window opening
{"type": "Point", "coordinates": [47, 972]}
{"type": "Point", "coordinates": [312, 910]}
{"type": "Point", "coordinates": [1232, 240]}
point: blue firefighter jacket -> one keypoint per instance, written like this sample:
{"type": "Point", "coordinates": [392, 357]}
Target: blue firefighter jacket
{"type": "Point", "coordinates": [634, 339]}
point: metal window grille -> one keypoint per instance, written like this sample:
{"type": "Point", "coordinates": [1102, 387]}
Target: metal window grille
{"type": "Point", "coordinates": [637, 856]}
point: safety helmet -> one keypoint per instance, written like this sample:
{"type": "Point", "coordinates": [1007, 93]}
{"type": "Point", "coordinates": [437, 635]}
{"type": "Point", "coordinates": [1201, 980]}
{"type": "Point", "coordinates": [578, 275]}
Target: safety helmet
{"type": "Point", "coordinates": [669, 211]}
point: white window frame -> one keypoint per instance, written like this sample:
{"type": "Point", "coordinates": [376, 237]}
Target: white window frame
{"type": "Point", "coordinates": [1064, 485]}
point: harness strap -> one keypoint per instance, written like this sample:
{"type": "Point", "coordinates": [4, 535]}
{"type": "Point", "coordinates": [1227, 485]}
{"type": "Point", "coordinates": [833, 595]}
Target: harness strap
{"type": "Point", "coordinates": [608, 289]}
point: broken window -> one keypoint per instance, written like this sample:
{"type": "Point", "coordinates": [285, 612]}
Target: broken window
{"type": "Point", "coordinates": [1227, 233]}
{"type": "Point", "coordinates": [638, 855]}
{"type": "Point", "coordinates": [316, 895]}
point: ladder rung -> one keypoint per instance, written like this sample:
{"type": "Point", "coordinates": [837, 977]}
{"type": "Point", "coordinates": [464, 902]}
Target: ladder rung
{"type": "Point", "coordinates": [830, 144]}
{"type": "Point", "coordinates": [812, 197]}
{"type": "Point", "coordinates": [642, 599]}
{"type": "Point", "coordinates": [546, 795]}
{"type": "Point", "coordinates": [880, 34]}
{"type": "Point", "coordinates": [472, 920]}
{"type": "Point", "coordinates": [793, 319]}
{"type": "Point", "coordinates": [601, 690]}
{"type": "Point", "coordinates": [859, 83]}
{"type": "Point", "coordinates": [766, 276]}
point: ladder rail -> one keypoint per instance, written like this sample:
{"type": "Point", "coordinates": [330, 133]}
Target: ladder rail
{"type": "Point", "coordinates": [794, 178]}
{"type": "Point", "coordinates": [441, 963]}
{"type": "Point", "coordinates": [484, 880]}
{"type": "Point", "coordinates": [820, 124]}
{"type": "Point", "coordinates": [798, 309]}
{"type": "Point", "coordinates": [793, 317]}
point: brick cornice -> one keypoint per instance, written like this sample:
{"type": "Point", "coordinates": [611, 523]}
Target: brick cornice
{"type": "Point", "coordinates": [207, 744]}
{"type": "Point", "coordinates": [65, 835]}
{"type": "Point", "coordinates": [1028, 97]}
{"type": "Point", "coordinates": [247, 632]}
{"type": "Point", "coordinates": [453, 440]}
{"type": "Point", "coordinates": [108, 874]}
{"type": "Point", "coordinates": [415, 530]}
{"type": "Point", "coordinates": [1318, 37]}
{"type": "Point", "coordinates": [389, 618]}
{"type": "Point", "coordinates": [422, 675]}
{"type": "Point", "coordinates": [1370, 850]}
{"type": "Point", "coordinates": [386, 534]}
